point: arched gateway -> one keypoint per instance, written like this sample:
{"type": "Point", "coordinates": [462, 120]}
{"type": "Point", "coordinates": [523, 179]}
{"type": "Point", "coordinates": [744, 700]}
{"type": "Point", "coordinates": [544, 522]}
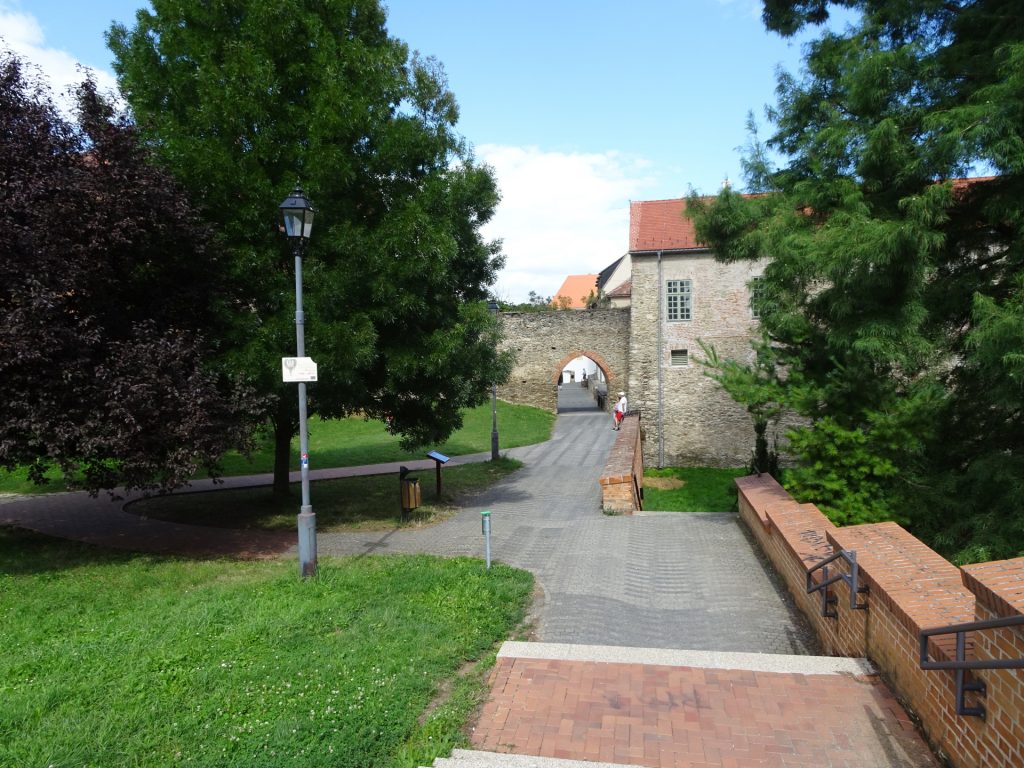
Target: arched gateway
{"type": "Point", "coordinates": [545, 342]}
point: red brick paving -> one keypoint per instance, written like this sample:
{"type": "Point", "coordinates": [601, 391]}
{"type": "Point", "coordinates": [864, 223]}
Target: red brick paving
{"type": "Point", "coordinates": [688, 717]}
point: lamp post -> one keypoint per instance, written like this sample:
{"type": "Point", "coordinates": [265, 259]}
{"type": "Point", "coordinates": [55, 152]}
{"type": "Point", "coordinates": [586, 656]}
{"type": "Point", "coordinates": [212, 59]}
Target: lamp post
{"type": "Point", "coordinates": [492, 305]}
{"type": "Point", "coordinates": [298, 224]}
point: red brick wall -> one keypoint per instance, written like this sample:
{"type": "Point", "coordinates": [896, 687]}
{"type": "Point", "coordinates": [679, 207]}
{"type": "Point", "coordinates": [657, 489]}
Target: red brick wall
{"type": "Point", "coordinates": [622, 480]}
{"type": "Point", "coordinates": [910, 588]}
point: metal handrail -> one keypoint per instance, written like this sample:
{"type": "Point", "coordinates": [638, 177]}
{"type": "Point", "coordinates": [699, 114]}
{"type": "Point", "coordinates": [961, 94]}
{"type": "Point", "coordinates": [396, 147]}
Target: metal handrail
{"type": "Point", "coordinates": [961, 665]}
{"type": "Point", "coordinates": [851, 579]}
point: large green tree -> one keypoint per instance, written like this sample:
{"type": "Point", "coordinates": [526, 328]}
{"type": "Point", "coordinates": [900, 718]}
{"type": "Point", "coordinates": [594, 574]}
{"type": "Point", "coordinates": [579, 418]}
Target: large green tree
{"type": "Point", "coordinates": [892, 302]}
{"type": "Point", "coordinates": [110, 298]}
{"type": "Point", "coordinates": [241, 98]}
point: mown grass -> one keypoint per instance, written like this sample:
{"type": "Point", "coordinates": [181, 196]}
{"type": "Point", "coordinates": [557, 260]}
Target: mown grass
{"type": "Point", "coordinates": [349, 503]}
{"type": "Point", "coordinates": [696, 489]}
{"type": "Point", "coordinates": [355, 441]}
{"type": "Point", "coordinates": [117, 660]}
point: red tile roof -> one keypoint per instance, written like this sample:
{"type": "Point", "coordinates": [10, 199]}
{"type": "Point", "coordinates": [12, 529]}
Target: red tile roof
{"type": "Point", "coordinates": [577, 288]}
{"type": "Point", "coordinates": [659, 225]}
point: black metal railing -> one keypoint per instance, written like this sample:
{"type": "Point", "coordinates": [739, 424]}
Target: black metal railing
{"type": "Point", "coordinates": [961, 665]}
{"type": "Point", "coordinates": [851, 579]}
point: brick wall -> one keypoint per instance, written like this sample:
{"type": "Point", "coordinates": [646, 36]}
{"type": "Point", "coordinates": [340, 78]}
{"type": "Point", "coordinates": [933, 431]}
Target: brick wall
{"type": "Point", "coordinates": [909, 588]}
{"type": "Point", "coordinates": [623, 476]}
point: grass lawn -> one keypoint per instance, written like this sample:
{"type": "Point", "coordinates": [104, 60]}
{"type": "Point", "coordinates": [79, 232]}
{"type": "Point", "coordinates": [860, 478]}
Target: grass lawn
{"type": "Point", "coordinates": [117, 660]}
{"type": "Point", "coordinates": [690, 489]}
{"type": "Point", "coordinates": [353, 502]}
{"type": "Point", "coordinates": [355, 441]}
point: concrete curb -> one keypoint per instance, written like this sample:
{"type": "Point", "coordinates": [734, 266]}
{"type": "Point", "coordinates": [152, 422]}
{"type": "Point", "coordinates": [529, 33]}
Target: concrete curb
{"type": "Point", "coordinates": [752, 662]}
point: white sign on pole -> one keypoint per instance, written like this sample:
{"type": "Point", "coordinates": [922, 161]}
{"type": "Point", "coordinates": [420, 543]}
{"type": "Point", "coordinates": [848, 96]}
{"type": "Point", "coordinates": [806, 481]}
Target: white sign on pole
{"type": "Point", "coordinates": [295, 369]}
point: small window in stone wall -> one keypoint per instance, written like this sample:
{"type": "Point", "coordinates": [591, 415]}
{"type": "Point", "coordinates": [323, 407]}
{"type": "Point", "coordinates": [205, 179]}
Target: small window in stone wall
{"type": "Point", "coordinates": [680, 357]}
{"type": "Point", "coordinates": [679, 298]}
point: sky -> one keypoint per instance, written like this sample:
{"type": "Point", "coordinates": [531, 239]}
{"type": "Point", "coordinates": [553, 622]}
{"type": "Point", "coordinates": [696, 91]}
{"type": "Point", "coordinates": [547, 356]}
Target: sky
{"type": "Point", "coordinates": [579, 106]}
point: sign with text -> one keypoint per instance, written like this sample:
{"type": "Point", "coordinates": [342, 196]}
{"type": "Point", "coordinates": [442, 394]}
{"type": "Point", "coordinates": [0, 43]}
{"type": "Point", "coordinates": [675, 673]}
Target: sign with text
{"type": "Point", "coordinates": [298, 369]}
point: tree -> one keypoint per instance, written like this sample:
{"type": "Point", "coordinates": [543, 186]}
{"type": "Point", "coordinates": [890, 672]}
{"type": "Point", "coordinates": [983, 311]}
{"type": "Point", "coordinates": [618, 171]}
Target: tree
{"type": "Point", "coordinates": [893, 286]}
{"type": "Point", "coordinates": [242, 98]}
{"type": "Point", "coordinates": [107, 285]}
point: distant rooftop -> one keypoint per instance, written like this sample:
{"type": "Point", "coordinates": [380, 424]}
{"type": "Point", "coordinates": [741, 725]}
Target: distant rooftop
{"type": "Point", "coordinates": [577, 288]}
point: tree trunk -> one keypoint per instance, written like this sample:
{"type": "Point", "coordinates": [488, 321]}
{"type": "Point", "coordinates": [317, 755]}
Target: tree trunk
{"type": "Point", "coordinates": [284, 430]}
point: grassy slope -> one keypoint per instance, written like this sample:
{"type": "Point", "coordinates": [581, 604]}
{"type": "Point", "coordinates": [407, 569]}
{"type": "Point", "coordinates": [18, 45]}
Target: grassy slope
{"type": "Point", "coordinates": [355, 441]}
{"type": "Point", "coordinates": [113, 660]}
{"type": "Point", "coordinates": [703, 489]}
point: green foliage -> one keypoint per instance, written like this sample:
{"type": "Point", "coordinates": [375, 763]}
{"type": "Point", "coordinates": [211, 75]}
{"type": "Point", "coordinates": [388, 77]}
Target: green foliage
{"type": "Point", "coordinates": [842, 472]}
{"type": "Point", "coordinates": [535, 303]}
{"type": "Point", "coordinates": [136, 661]}
{"type": "Point", "coordinates": [891, 295]}
{"type": "Point", "coordinates": [240, 99]}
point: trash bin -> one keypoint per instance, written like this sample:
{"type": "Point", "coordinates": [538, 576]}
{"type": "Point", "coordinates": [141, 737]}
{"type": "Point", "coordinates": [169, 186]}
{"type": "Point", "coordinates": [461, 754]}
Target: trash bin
{"type": "Point", "coordinates": [411, 496]}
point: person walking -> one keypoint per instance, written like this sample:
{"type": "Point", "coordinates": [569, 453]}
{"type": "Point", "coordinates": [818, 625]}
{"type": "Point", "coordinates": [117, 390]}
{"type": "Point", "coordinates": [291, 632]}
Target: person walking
{"type": "Point", "coordinates": [621, 406]}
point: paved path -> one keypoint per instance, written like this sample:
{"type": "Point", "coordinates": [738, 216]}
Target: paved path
{"type": "Point", "coordinates": [661, 580]}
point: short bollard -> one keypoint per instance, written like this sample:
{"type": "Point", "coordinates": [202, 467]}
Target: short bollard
{"type": "Point", "coordinates": [485, 524]}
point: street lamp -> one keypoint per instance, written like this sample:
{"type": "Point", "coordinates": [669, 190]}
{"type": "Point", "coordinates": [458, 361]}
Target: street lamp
{"type": "Point", "coordinates": [298, 224]}
{"type": "Point", "coordinates": [492, 305]}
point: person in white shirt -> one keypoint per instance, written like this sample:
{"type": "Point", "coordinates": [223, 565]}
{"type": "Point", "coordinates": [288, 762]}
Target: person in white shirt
{"type": "Point", "coordinates": [620, 410]}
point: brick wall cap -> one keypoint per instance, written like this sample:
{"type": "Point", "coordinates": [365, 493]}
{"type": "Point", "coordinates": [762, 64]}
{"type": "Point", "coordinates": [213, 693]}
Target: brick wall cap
{"type": "Point", "coordinates": [999, 585]}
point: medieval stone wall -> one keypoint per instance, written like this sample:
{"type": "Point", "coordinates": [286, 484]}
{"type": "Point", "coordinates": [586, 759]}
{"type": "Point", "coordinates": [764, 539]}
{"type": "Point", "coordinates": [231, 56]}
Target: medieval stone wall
{"type": "Point", "coordinates": [545, 342]}
{"type": "Point", "coordinates": [688, 418]}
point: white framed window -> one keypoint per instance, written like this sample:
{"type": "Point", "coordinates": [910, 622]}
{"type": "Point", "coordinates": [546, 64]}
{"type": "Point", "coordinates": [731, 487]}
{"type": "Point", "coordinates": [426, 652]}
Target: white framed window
{"type": "Point", "coordinates": [756, 295]}
{"type": "Point", "coordinates": [679, 295]}
{"type": "Point", "coordinates": [680, 358]}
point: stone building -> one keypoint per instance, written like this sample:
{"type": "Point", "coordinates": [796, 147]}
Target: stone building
{"type": "Point", "coordinates": [668, 291]}
{"type": "Point", "coordinates": [679, 295]}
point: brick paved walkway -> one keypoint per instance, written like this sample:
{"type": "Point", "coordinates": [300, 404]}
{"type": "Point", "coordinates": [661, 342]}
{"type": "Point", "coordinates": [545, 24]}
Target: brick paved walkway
{"type": "Point", "coordinates": [695, 710]}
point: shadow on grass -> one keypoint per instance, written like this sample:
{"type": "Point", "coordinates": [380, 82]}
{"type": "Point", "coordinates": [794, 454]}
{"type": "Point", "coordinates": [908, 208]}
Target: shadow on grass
{"type": "Point", "coordinates": [26, 553]}
{"type": "Point", "coordinates": [347, 504]}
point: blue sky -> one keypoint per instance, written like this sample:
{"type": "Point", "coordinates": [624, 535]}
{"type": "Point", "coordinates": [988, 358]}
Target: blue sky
{"type": "Point", "coordinates": [579, 106]}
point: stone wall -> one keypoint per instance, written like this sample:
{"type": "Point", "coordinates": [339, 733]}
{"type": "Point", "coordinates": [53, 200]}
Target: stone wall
{"type": "Point", "coordinates": [688, 418]}
{"type": "Point", "coordinates": [545, 342]}
{"type": "Point", "coordinates": [907, 587]}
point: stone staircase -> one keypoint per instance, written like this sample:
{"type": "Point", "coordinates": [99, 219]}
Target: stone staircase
{"type": "Point", "coordinates": [468, 758]}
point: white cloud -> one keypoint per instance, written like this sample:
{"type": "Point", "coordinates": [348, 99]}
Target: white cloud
{"type": "Point", "coordinates": [561, 213]}
{"type": "Point", "coordinates": [22, 34]}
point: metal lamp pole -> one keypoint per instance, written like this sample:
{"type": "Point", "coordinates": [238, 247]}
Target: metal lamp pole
{"type": "Point", "coordinates": [492, 305]}
{"type": "Point", "coordinates": [298, 224]}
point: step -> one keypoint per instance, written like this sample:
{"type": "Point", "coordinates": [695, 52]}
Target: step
{"type": "Point", "coordinates": [470, 758]}
{"type": "Point", "coordinates": [670, 657]}
{"type": "Point", "coordinates": [678, 709]}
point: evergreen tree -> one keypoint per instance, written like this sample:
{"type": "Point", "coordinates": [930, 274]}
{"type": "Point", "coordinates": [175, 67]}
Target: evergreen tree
{"type": "Point", "coordinates": [240, 99]}
{"type": "Point", "coordinates": [893, 294]}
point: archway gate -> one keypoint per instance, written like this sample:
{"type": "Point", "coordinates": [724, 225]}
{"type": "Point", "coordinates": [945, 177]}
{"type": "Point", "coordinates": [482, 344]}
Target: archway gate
{"type": "Point", "coordinates": [545, 342]}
